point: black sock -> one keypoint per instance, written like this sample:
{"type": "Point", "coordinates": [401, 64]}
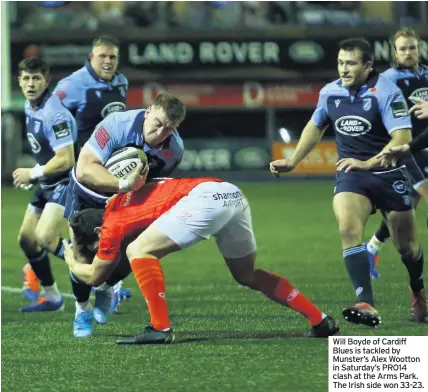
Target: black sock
{"type": "Point", "coordinates": [116, 278]}
{"type": "Point", "coordinates": [59, 250]}
{"type": "Point", "coordinates": [415, 267]}
{"type": "Point", "coordinates": [358, 267]}
{"type": "Point", "coordinates": [42, 267]}
{"type": "Point", "coordinates": [80, 289]}
{"type": "Point", "coordinates": [382, 233]}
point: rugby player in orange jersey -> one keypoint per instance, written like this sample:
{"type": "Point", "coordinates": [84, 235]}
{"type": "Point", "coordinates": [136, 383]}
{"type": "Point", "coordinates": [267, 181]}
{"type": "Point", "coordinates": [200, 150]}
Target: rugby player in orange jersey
{"type": "Point", "coordinates": [165, 216]}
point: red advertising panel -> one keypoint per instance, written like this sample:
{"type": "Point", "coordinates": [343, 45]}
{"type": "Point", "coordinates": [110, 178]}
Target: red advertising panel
{"type": "Point", "coordinates": [246, 95]}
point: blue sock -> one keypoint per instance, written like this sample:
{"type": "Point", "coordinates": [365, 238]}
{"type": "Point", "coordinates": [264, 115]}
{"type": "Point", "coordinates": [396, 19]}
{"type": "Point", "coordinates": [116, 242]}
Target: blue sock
{"type": "Point", "coordinates": [358, 267]}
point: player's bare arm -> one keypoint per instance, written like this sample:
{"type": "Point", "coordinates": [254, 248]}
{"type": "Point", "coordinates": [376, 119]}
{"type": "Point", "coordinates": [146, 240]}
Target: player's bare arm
{"type": "Point", "coordinates": [62, 162]}
{"type": "Point", "coordinates": [92, 173]}
{"type": "Point", "coordinates": [398, 138]}
{"type": "Point", "coordinates": [389, 158]}
{"type": "Point", "coordinates": [92, 274]}
{"type": "Point", "coordinates": [311, 136]}
{"type": "Point", "coordinates": [417, 144]}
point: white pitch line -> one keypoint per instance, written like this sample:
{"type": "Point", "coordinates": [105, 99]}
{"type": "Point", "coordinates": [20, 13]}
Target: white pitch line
{"type": "Point", "coordinates": [15, 290]}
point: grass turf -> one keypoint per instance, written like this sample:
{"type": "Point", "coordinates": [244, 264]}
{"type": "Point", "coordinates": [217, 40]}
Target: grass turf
{"type": "Point", "coordinates": [228, 337]}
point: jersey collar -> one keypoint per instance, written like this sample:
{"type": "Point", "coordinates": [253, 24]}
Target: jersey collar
{"type": "Point", "coordinates": [42, 100]}
{"type": "Point", "coordinates": [370, 83]}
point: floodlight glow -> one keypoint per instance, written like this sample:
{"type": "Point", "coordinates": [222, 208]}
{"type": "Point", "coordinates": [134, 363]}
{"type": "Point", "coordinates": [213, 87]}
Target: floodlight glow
{"type": "Point", "coordinates": [285, 136]}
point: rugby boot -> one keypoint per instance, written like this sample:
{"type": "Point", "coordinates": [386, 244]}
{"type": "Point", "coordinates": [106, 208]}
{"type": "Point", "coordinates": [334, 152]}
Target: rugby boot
{"type": "Point", "coordinates": [362, 313]}
{"type": "Point", "coordinates": [82, 324]}
{"type": "Point", "coordinates": [327, 327]}
{"type": "Point", "coordinates": [103, 305]}
{"type": "Point", "coordinates": [418, 311]}
{"type": "Point", "coordinates": [43, 305]}
{"type": "Point", "coordinates": [125, 294]}
{"type": "Point", "coordinates": [150, 336]}
{"type": "Point", "coordinates": [31, 287]}
{"type": "Point", "coordinates": [115, 298]}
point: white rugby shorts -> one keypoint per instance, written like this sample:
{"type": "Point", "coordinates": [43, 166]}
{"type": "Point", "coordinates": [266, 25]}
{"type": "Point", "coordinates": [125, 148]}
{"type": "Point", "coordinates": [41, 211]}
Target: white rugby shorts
{"type": "Point", "coordinates": [217, 209]}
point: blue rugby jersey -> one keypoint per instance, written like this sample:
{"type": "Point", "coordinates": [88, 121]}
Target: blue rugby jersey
{"type": "Point", "coordinates": [364, 118]}
{"type": "Point", "coordinates": [412, 84]}
{"type": "Point", "coordinates": [123, 129]}
{"type": "Point", "coordinates": [91, 99]}
{"type": "Point", "coordinates": [50, 127]}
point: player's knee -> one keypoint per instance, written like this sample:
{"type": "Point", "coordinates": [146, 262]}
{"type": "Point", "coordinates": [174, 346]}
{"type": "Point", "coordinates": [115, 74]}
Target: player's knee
{"type": "Point", "coordinates": [46, 241]}
{"type": "Point", "coordinates": [408, 249]}
{"type": "Point", "coordinates": [133, 250]}
{"type": "Point", "coordinates": [27, 242]}
{"type": "Point", "coordinates": [350, 234]}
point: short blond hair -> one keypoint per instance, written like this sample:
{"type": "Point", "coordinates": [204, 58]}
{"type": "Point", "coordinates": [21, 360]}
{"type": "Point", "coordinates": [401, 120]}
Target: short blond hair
{"type": "Point", "coordinates": [173, 107]}
{"type": "Point", "coordinates": [106, 40]}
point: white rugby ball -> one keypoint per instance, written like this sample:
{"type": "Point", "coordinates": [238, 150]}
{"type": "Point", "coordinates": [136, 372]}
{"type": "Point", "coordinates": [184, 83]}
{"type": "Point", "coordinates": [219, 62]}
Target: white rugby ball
{"type": "Point", "coordinates": [124, 161]}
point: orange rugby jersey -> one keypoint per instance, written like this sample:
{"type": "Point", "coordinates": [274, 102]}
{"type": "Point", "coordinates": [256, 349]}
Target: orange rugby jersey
{"type": "Point", "coordinates": [128, 214]}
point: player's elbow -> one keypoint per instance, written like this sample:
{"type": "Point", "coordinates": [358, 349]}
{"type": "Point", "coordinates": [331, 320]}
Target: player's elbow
{"type": "Point", "coordinates": [94, 278]}
{"type": "Point", "coordinates": [80, 173]}
{"type": "Point", "coordinates": [101, 273]}
{"type": "Point", "coordinates": [86, 167]}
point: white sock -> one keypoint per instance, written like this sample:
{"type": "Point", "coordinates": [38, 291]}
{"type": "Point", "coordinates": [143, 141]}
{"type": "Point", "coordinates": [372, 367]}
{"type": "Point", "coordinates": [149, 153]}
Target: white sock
{"type": "Point", "coordinates": [376, 242]}
{"type": "Point", "coordinates": [374, 246]}
{"type": "Point", "coordinates": [51, 293]}
{"type": "Point", "coordinates": [83, 307]}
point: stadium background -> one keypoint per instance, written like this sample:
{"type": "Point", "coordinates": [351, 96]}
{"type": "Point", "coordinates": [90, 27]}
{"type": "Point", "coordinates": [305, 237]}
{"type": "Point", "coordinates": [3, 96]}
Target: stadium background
{"type": "Point", "coordinates": [249, 74]}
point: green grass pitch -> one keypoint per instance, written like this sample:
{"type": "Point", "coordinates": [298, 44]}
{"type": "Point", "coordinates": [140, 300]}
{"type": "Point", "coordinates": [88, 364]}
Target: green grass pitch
{"type": "Point", "coordinates": [228, 338]}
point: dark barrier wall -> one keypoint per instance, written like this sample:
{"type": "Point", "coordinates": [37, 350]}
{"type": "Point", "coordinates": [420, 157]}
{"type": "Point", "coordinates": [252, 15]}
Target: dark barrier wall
{"type": "Point", "coordinates": [286, 53]}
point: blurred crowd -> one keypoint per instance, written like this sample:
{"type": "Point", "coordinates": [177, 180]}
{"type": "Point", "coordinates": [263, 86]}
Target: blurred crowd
{"type": "Point", "coordinates": [95, 15]}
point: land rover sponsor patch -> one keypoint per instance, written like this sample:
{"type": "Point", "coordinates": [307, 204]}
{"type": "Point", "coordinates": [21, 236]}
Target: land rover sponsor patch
{"type": "Point", "coordinates": [399, 109]}
{"type": "Point", "coordinates": [62, 129]}
{"type": "Point", "coordinates": [352, 125]}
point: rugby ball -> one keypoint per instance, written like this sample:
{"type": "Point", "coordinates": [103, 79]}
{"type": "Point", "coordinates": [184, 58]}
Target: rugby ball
{"type": "Point", "coordinates": [124, 161]}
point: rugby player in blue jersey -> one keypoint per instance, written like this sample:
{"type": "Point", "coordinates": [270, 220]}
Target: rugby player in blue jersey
{"type": "Point", "coordinates": [369, 114]}
{"type": "Point", "coordinates": [51, 132]}
{"type": "Point", "coordinates": [412, 79]}
{"type": "Point", "coordinates": [90, 94]}
{"type": "Point", "coordinates": [155, 131]}
{"type": "Point", "coordinates": [95, 90]}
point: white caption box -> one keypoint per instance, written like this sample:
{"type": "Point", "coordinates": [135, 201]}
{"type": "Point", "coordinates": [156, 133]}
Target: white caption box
{"type": "Point", "coordinates": [381, 363]}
